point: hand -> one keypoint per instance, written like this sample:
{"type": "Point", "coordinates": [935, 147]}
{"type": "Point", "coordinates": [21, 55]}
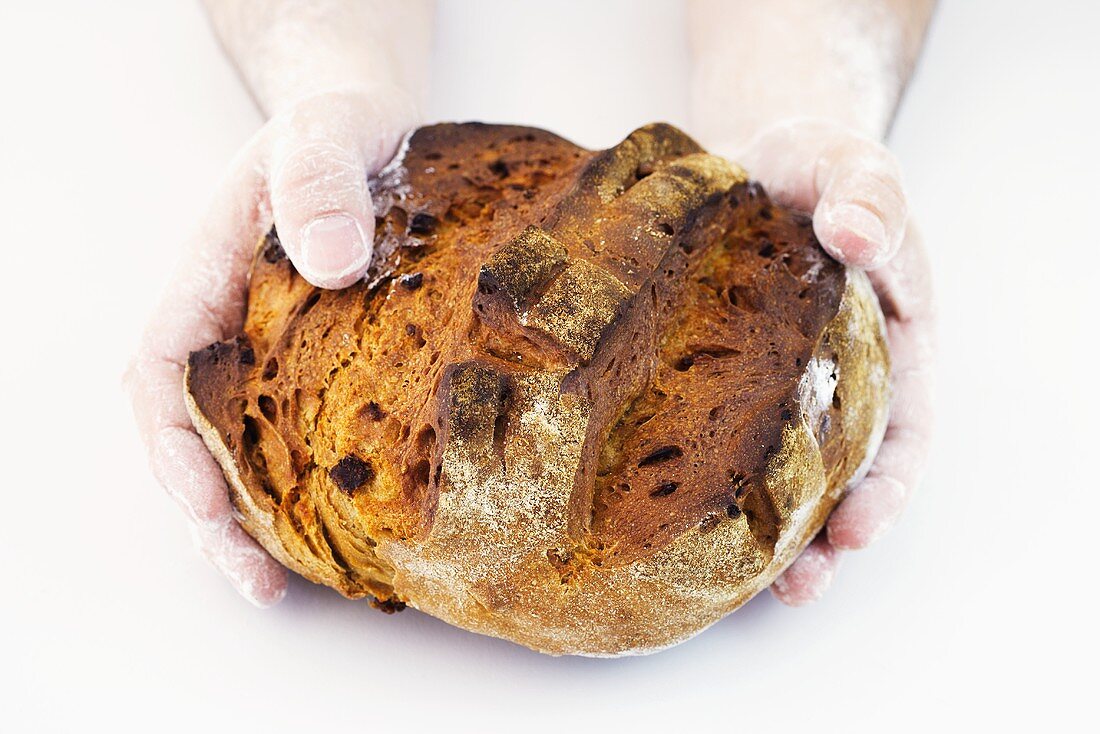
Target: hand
{"type": "Point", "coordinates": [852, 185]}
{"type": "Point", "coordinates": [307, 171]}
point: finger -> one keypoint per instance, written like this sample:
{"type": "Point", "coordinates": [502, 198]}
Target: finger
{"type": "Point", "coordinates": [904, 285]}
{"type": "Point", "coordinates": [850, 182]}
{"type": "Point", "coordinates": [183, 464]}
{"type": "Point", "coordinates": [867, 512]}
{"type": "Point", "coordinates": [874, 505]}
{"type": "Point", "coordinates": [319, 193]}
{"type": "Point", "coordinates": [254, 574]}
{"type": "Point", "coordinates": [870, 509]}
{"type": "Point", "coordinates": [809, 576]}
{"type": "Point", "coordinates": [204, 302]}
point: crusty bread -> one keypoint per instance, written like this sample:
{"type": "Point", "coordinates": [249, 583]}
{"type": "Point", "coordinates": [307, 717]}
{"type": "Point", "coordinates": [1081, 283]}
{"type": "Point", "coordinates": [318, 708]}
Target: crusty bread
{"type": "Point", "coordinates": [586, 401]}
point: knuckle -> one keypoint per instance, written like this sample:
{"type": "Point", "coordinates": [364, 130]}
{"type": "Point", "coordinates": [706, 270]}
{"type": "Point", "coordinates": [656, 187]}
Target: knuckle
{"type": "Point", "coordinates": [313, 161]}
{"type": "Point", "coordinates": [875, 167]}
{"type": "Point", "coordinates": [320, 172]}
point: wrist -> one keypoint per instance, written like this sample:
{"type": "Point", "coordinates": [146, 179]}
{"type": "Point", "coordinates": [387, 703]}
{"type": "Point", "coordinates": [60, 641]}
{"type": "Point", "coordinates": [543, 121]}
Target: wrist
{"type": "Point", "coordinates": [839, 61]}
{"type": "Point", "coordinates": [281, 84]}
{"type": "Point", "coordinates": [287, 53]}
{"type": "Point", "coordinates": [351, 102]}
{"type": "Point", "coordinates": [735, 143]}
{"type": "Point", "coordinates": [726, 119]}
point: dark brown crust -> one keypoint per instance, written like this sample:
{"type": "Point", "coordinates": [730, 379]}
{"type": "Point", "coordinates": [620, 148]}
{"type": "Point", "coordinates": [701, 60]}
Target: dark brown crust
{"type": "Point", "coordinates": [667, 308]}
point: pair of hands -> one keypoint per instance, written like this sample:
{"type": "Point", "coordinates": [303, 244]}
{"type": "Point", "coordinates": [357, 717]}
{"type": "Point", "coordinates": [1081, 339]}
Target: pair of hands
{"type": "Point", "coordinates": [307, 170]}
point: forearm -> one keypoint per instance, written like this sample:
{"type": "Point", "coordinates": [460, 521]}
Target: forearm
{"type": "Point", "coordinates": [287, 51]}
{"type": "Point", "coordinates": [755, 63]}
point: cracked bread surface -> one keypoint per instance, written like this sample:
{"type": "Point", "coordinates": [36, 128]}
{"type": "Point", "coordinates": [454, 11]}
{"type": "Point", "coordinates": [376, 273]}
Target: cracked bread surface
{"type": "Point", "coordinates": [586, 401]}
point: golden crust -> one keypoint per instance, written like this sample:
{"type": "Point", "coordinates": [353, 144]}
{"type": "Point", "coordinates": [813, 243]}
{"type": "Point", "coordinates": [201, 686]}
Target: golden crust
{"type": "Point", "coordinates": [586, 402]}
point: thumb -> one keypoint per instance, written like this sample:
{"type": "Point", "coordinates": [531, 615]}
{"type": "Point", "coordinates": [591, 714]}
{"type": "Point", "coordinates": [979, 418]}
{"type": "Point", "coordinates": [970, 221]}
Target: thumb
{"type": "Point", "coordinates": [851, 183]}
{"type": "Point", "coordinates": [323, 153]}
{"type": "Point", "coordinates": [322, 207]}
{"type": "Point", "coordinates": [862, 214]}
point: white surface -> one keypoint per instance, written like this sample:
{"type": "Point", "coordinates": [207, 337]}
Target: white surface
{"type": "Point", "coordinates": [978, 610]}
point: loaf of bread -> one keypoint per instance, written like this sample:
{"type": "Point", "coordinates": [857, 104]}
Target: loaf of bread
{"type": "Point", "coordinates": [586, 401]}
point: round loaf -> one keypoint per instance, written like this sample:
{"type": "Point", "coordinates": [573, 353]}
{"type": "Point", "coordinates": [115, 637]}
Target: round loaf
{"type": "Point", "coordinates": [586, 401]}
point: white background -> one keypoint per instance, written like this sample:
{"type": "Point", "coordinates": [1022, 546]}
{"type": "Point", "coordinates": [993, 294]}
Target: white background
{"type": "Point", "coordinates": [979, 609]}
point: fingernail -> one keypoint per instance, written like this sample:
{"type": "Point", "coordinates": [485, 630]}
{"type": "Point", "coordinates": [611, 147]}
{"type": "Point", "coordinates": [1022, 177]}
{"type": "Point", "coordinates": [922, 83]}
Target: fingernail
{"type": "Point", "coordinates": [865, 225]}
{"type": "Point", "coordinates": [333, 245]}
